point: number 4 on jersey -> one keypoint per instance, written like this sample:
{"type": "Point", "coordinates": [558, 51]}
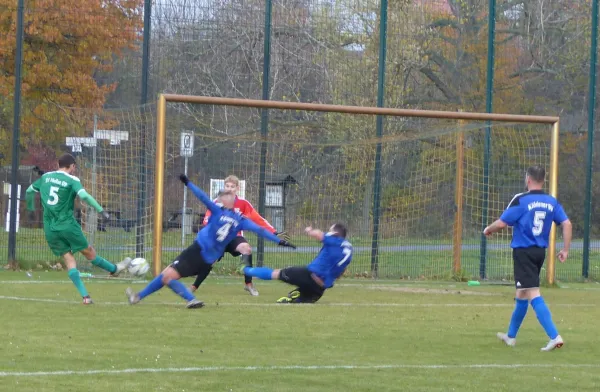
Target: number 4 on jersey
{"type": "Point", "coordinates": [223, 232]}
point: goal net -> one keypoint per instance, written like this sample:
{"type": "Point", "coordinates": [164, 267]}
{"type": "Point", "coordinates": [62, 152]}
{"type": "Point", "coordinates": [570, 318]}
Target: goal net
{"type": "Point", "coordinates": [426, 174]}
{"type": "Point", "coordinates": [319, 168]}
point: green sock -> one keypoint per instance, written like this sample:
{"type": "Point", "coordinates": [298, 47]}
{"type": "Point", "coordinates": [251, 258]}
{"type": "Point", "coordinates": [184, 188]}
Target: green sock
{"type": "Point", "coordinates": [104, 264]}
{"type": "Point", "coordinates": [76, 279]}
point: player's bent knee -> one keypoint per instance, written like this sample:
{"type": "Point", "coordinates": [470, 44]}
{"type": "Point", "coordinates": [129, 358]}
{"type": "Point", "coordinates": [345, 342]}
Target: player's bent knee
{"type": "Point", "coordinates": [169, 274]}
{"type": "Point", "coordinates": [244, 249]}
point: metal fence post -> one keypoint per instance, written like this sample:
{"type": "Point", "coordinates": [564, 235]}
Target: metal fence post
{"type": "Point", "coordinates": [379, 130]}
{"type": "Point", "coordinates": [488, 136]}
{"type": "Point", "coordinates": [14, 173]}
{"type": "Point", "coordinates": [590, 147]}
{"type": "Point", "coordinates": [140, 231]}
{"type": "Point", "coordinates": [264, 124]}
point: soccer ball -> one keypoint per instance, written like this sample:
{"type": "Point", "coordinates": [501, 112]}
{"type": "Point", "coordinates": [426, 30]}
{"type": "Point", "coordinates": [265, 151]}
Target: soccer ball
{"type": "Point", "coordinates": [138, 267]}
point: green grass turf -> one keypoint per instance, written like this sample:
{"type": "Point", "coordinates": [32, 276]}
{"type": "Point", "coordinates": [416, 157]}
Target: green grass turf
{"type": "Point", "coordinates": [407, 264]}
{"type": "Point", "coordinates": [437, 338]}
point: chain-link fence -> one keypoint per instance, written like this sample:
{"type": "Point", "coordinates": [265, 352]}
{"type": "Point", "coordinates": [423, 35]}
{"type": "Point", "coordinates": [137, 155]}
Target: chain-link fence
{"type": "Point", "coordinates": [89, 55]}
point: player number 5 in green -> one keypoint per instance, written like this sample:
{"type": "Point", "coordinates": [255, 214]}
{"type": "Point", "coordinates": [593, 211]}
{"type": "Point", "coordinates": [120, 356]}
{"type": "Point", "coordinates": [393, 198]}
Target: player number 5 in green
{"type": "Point", "coordinates": [53, 196]}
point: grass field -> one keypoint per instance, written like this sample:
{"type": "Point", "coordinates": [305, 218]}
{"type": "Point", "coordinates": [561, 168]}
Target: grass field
{"type": "Point", "coordinates": [406, 258]}
{"type": "Point", "coordinates": [362, 336]}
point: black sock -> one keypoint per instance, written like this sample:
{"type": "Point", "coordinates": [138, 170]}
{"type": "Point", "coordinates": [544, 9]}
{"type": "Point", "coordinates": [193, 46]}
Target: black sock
{"type": "Point", "coordinates": [247, 260]}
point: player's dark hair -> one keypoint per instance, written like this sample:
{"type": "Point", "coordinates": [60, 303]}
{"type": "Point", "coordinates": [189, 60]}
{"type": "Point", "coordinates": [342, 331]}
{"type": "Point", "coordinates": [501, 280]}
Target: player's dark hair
{"type": "Point", "coordinates": [66, 160]}
{"type": "Point", "coordinates": [340, 229]}
{"type": "Point", "coordinates": [536, 173]}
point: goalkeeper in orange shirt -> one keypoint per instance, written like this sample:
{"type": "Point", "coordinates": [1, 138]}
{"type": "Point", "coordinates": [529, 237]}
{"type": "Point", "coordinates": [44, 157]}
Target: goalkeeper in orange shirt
{"type": "Point", "coordinates": [240, 246]}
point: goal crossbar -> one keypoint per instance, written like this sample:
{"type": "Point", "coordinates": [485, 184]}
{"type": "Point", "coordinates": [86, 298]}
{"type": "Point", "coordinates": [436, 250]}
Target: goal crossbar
{"type": "Point", "coordinates": [317, 107]}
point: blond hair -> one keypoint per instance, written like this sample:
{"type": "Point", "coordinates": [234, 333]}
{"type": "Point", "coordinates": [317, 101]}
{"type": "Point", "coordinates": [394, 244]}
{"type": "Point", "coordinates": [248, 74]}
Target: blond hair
{"type": "Point", "coordinates": [233, 179]}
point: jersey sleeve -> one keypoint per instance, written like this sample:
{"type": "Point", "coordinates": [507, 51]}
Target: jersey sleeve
{"type": "Point", "coordinates": [247, 224]}
{"type": "Point", "coordinates": [255, 217]}
{"type": "Point", "coordinates": [560, 215]}
{"type": "Point", "coordinates": [514, 211]}
{"type": "Point", "coordinates": [203, 197]}
{"type": "Point", "coordinates": [76, 186]}
{"type": "Point", "coordinates": [36, 185]}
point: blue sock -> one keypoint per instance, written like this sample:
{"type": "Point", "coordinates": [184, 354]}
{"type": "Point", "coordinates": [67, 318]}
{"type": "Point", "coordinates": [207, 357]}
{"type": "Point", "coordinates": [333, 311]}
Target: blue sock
{"type": "Point", "coordinates": [263, 273]}
{"type": "Point", "coordinates": [180, 289]}
{"type": "Point", "coordinates": [154, 285]}
{"type": "Point", "coordinates": [76, 279]}
{"type": "Point", "coordinates": [518, 315]}
{"type": "Point", "coordinates": [544, 316]}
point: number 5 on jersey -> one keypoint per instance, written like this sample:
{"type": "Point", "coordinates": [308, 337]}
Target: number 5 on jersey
{"type": "Point", "coordinates": [538, 222]}
{"type": "Point", "coordinates": [53, 196]}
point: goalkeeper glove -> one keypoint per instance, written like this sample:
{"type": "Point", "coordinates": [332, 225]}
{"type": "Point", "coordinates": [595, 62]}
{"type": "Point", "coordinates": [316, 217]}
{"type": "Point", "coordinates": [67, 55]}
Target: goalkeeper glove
{"type": "Point", "coordinates": [287, 244]}
{"type": "Point", "coordinates": [283, 235]}
{"type": "Point", "coordinates": [184, 179]}
{"type": "Point", "coordinates": [105, 215]}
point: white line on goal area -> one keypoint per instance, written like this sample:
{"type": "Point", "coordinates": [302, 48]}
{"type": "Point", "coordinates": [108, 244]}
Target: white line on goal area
{"type": "Point", "coordinates": [262, 304]}
{"type": "Point", "coordinates": [295, 367]}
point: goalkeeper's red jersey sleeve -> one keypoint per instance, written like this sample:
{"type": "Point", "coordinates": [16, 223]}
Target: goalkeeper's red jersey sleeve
{"type": "Point", "coordinates": [244, 206]}
{"type": "Point", "coordinates": [207, 215]}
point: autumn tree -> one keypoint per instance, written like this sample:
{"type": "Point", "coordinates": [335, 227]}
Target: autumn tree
{"type": "Point", "coordinates": [67, 45]}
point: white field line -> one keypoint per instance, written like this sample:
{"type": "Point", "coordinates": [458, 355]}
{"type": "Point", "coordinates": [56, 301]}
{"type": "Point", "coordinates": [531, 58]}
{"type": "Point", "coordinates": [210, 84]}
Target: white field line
{"type": "Point", "coordinates": [292, 367]}
{"type": "Point", "coordinates": [258, 304]}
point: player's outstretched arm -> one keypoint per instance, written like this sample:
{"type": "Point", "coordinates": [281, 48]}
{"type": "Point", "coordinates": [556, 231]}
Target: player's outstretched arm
{"type": "Point", "coordinates": [199, 193]}
{"type": "Point", "coordinates": [253, 227]}
{"type": "Point", "coordinates": [90, 201]}
{"type": "Point", "coordinates": [315, 233]}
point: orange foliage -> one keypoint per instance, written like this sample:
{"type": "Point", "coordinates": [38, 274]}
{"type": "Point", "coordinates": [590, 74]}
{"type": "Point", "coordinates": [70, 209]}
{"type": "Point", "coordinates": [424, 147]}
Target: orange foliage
{"type": "Point", "coordinates": [468, 54]}
{"type": "Point", "coordinates": [67, 44]}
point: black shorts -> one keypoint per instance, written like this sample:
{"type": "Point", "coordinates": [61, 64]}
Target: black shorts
{"type": "Point", "coordinates": [190, 262]}
{"type": "Point", "coordinates": [234, 244]}
{"type": "Point", "coordinates": [302, 277]}
{"type": "Point", "coordinates": [528, 263]}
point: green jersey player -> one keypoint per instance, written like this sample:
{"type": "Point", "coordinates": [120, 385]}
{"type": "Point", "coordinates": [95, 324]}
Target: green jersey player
{"type": "Point", "coordinates": [58, 190]}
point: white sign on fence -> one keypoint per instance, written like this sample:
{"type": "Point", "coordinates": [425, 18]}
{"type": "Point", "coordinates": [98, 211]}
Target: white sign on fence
{"type": "Point", "coordinates": [187, 144]}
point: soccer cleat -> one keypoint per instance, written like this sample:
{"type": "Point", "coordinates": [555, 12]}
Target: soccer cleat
{"type": "Point", "coordinates": [508, 341]}
{"type": "Point", "coordinates": [284, 300]}
{"type": "Point", "coordinates": [132, 296]}
{"type": "Point", "coordinates": [121, 266]}
{"type": "Point", "coordinates": [194, 304]}
{"type": "Point", "coordinates": [294, 294]}
{"type": "Point", "coordinates": [87, 300]}
{"type": "Point", "coordinates": [251, 289]}
{"type": "Point", "coordinates": [557, 342]}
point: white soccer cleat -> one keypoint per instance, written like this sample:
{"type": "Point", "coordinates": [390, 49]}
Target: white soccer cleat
{"type": "Point", "coordinates": [194, 304]}
{"type": "Point", "coordinates": [122, 266]}
{"type": "Point", "coordinates": [251, 289]}
{"type": "Point", "coordinates": [508, 341]}
{"type": "Point", "coordinates": [132, 296]}
{"type": "Point", "coordinates": [557, 342]}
